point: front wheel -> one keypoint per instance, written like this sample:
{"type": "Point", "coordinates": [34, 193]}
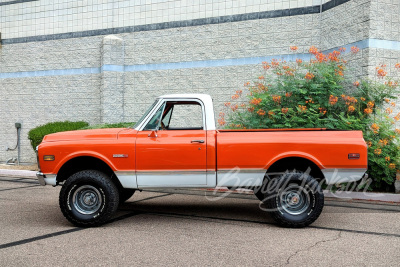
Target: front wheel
{"type": "Point", "coordinates": [125, 194]}
{"type": "Point", "coordinates": [88, 198]}
{"type": "Point", "coordinates": [294, 199]}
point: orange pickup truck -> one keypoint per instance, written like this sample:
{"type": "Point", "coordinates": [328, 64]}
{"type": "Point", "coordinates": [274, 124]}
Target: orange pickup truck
{"type": "Point", "coordinates": [176, 144]}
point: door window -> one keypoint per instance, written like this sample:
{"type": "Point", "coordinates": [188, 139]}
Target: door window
{"type": "Point", "coordinates": [182, 116]}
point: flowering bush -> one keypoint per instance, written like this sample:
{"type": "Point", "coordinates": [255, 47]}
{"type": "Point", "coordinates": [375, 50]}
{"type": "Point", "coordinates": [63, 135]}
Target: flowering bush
{"type": "Point", "coordinates": [318, 94]}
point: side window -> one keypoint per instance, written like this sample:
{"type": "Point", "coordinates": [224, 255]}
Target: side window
{"type": "Point", "coordinates": [183, 116]}
{"type": "Point", "coordinates": [155, 121]}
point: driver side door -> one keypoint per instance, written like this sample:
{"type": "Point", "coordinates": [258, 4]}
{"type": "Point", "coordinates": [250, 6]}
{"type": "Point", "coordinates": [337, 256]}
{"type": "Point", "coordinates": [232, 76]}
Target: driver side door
{"type": "Point", "coordinates": [171, 148]}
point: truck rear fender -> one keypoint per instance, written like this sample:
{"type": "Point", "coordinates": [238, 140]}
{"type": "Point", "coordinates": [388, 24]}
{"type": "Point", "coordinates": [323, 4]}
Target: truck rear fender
{"type": "Point", "coordinates": [296, 160]}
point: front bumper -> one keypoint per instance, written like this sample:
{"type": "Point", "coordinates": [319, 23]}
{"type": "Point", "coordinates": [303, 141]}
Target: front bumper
{"type": "Point", "coordinates": [46, 179]}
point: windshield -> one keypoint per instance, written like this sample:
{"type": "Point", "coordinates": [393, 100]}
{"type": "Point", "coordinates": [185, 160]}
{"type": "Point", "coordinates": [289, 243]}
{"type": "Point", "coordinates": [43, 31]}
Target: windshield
{"type": "Point", "coordinates": [145, 114]}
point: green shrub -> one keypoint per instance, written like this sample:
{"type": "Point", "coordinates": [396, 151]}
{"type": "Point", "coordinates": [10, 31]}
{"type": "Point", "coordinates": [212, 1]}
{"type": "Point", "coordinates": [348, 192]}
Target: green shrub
{"type": "Point", "coordinates": [111, 125]}
{"type": "Point", "coordinates": [36, 135]}
{"type": "Point", "coordinates": [318, 94]}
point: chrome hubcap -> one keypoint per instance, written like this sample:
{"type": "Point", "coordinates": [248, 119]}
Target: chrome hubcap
{"type": "Point", "coordinates": [295, 199]}
{"type": "Point", "coordinates": [87, 199]}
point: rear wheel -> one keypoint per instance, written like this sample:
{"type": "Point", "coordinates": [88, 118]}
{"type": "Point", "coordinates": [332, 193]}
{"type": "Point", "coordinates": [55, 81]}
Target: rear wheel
{"type": "Point", "coordinates": [293, 199]}
{"type": "Point", "coordinates": [88, 198]}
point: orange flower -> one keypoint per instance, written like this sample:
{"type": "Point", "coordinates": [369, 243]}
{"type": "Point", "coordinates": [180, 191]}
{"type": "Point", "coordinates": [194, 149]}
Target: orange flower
{"type": "Point", "coordinates": [382, 143]}
{"type": "Point", "coordinates": [392, 166]}
{"type": "Point", "coordinates": [243, 105]}
{"type": "Point", "coordinates": [246, 83]}
{"type": "Point", "coordinates": [239, 92]}
{"type": "Point", "coordinates": [320, 57]}
{"type": "Point", "coordinates": [221, 114]}
{"type": "Point", "coordinates": [266, 66]}
{"type": "Point", "coordinates": [362, 99]}
{"type": "Point", "coordinates": [333, 100]}
{"type": "Point", "coordinates": [342, 49]}
{"type": "Point", "coordinates": [255, 101]}
{"type": "Point", "coordinates": [234, 97]}
{"type": "Point", "coordinates": [378, 151]}
{"type": "Point", "coordinates": [309, 76]}
{"type": "Point", "coordinates": [356, 83]}
{"type": "Point", "coordinates": [234, 107]}
{"type": "Point", "coordinates": [387, 100]}
{"type": "Point", "coordinates": [271, 113]}
{"type": "Point", "coordinates": [284, 110]}
{"type": "Point", "coordinates": [274, 63]}
{"type": "Point", "coordinates": [351, 109]}
{"type": "Point", "coordinates": [285, 67]}
{"type": "Point", "coordinates": [261, 78]}
{"type": "Point", "coordinates": [355, 49]}
{"type": "Point", "coordinates": [227, 104]}
{"type": "Point", "coordinates": [251, 109]}
{"type": "Point", "coordinates": [221, 121]}
{"type": "Point", "coordinates": [397, 131]}
{"type": "Point", "coordinates": [367, 111]}
{"type": "Point", "coordinates": [375, 127]}
{"type": "Point", "coordinates": [313, 50]}
{"type": "Point", "coordinates": [381, 73]}
{"type": "Point", "coordinates": [393, 104]}
{"type": "Point", "coordinates": [261, 112]}
{"type": "Point", "coordinates": [299, 61]}
{"type": "Point", "coordinates": [294, 48]}
{"type": "Point", "coordinates": [397, 66]}
{"type": "Point", "coordinates": [369, 143]}
{"type": "Point", "coordinates": [370, 104]}
{"type": "Point", "coordinates": [288, 94]}
{"type": "Point", "coordinates": [339, 72]}
{"type": "Point", "coordinates": [289, 73]}
{"type": "Point", "coordinates": [389, 110]}
{"type": "Point", "coordinates": [302, 108]}
{"type": "Point", "coordinates": [277, 99]}
{"type": "Point", "coordinates": [322, 111]}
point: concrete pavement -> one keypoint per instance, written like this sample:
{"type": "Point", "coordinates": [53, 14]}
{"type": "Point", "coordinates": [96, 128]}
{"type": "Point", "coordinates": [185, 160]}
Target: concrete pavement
{"type": "Point", "coordinates": [185, 227]}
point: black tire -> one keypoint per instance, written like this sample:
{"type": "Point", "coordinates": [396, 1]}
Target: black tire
{"type": "Point", "coordinates": [88, 198]}
{"type": "Point", "coordinates": [125, 194]}
{"type": "Point", "coordinates": [293, 199]}
{"type": "Point", "coordinates": [258, 193]}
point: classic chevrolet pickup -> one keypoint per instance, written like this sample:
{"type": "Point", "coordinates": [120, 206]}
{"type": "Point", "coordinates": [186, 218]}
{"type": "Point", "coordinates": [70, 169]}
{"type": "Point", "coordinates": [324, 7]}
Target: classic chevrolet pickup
{"type": "Point", "coordinates": [176, 144]}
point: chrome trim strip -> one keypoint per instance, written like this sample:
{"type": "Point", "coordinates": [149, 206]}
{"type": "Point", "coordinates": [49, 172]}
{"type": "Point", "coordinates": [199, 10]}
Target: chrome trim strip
{"type": "Point", "coordinates": [238, 177]}
{"type": "Point", "coordinates": [337, 176]}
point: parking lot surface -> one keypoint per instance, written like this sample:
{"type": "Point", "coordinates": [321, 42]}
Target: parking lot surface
{"type": "Point", "coordinates": [191, 227]}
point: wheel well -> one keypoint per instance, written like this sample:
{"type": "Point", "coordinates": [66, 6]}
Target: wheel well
{"type": "Point", "coordinates": [297, 163]}
{"type": "Point", "coordinates": [85, 163]}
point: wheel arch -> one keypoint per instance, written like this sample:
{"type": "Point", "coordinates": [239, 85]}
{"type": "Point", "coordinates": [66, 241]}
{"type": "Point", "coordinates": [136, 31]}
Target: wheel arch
{"type": "Point", "coordinates": [80, 163]}
{"type": "Point", "coordinates": [300, 163]}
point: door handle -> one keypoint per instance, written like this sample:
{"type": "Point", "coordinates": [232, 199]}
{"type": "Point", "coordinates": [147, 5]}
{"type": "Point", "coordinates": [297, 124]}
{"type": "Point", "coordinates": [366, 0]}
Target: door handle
{"type": "Point", "coordinates": [197, 141]}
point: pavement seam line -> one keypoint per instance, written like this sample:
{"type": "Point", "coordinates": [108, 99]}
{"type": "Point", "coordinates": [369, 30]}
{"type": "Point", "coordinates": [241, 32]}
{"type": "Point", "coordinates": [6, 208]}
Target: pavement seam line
{"type": "Point", "coordinates": [313, 246]}
{"type": "Point", "coordinates": [266, 223]}
{"type": "Point", "coordinates": [33, 239]}
{"type": "Point", "coordinates": [22, 187]}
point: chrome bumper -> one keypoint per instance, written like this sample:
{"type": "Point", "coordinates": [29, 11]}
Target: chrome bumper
{"type": "Point", "coordinates": [49, 179]}
{"type": "Point", "coordinates": [40, 177]}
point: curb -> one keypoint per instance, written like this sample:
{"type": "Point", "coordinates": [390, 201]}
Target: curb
{"type": "Point", "coordinates": [17, 173]}
{"type": "Point", "coordinates": [347, 195]}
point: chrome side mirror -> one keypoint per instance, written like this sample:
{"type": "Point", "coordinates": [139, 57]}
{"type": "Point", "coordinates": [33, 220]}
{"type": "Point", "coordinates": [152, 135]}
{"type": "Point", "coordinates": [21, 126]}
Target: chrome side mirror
{"type": "Point", "coordinates": [153, 134]}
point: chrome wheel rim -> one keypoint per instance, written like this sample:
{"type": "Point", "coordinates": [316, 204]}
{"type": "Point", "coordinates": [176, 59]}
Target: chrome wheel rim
{"type": "Point", "coordinates": [87, 199]}
{"type": "Point", "coordinates": [295, 199]}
